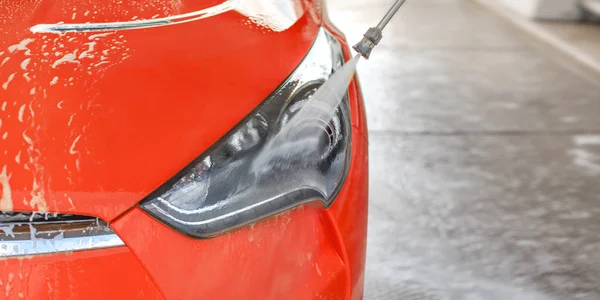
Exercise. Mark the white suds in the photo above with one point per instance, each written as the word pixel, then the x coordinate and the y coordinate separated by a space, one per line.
pixel 27 139
pixel 24 64
pixel 10 78
pixel 6 203
pixel 21 110
pixel 87 52
pixel 21 46
pixel 94 36
pixel 67 58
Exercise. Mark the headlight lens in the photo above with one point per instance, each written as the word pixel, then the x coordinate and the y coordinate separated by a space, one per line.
pixel 224 188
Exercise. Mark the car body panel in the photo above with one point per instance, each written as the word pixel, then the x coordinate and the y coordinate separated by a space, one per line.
pixel 95 121
pixel 305 253
pixel 112 273
pixel 103 135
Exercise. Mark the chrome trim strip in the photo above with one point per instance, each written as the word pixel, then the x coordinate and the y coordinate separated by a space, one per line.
pixel 37 246
pixel 138 24
pixel 277 15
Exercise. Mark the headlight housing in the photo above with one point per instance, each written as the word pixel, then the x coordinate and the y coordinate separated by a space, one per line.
pixel 224 189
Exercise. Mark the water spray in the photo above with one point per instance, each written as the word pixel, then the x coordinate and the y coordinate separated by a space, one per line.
pixel 302 132
pixel 326 99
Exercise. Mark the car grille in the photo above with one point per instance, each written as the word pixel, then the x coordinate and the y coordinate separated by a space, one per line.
pixel 23 234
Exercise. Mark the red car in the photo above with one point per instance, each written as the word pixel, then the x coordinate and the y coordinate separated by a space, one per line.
pixel 133 157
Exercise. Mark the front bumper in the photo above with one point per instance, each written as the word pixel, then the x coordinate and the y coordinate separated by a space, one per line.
pixel 112 273
pixel 305 253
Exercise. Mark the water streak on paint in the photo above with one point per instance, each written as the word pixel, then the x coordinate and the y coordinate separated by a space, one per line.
pixel 31 156
pixel 71 202
pixel 8 286
pixel 21 110
pixel 70 119
pixel 38 199
pixel 87 52
pixel 98 35
pixel 21 46
pixel 27 139
pixel 8 80
pixel 37 193
pixel 24 64
pixel 6 203
pixel 67 58
pixel 72 149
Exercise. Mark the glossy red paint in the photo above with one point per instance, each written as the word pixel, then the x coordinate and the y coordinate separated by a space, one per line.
pixel 92 133
pixel 95 136
pixel 99 274
pixel 305 253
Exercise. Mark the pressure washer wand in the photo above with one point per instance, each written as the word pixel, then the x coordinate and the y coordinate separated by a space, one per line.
pixel 373 35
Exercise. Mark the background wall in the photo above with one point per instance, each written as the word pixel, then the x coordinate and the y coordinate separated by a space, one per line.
pixel 545 9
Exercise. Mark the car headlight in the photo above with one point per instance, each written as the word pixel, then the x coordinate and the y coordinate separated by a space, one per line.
pixel 224 188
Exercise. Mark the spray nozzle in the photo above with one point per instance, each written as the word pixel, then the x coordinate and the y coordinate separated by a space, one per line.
pixel 370 39
pixel 373 35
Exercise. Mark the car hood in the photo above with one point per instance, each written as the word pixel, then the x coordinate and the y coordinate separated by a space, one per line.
pixel 93 117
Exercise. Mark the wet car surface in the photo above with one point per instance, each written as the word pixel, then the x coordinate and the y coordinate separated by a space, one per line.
pixel 136 162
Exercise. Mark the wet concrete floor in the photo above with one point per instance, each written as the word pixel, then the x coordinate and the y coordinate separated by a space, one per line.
pixel 484 158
